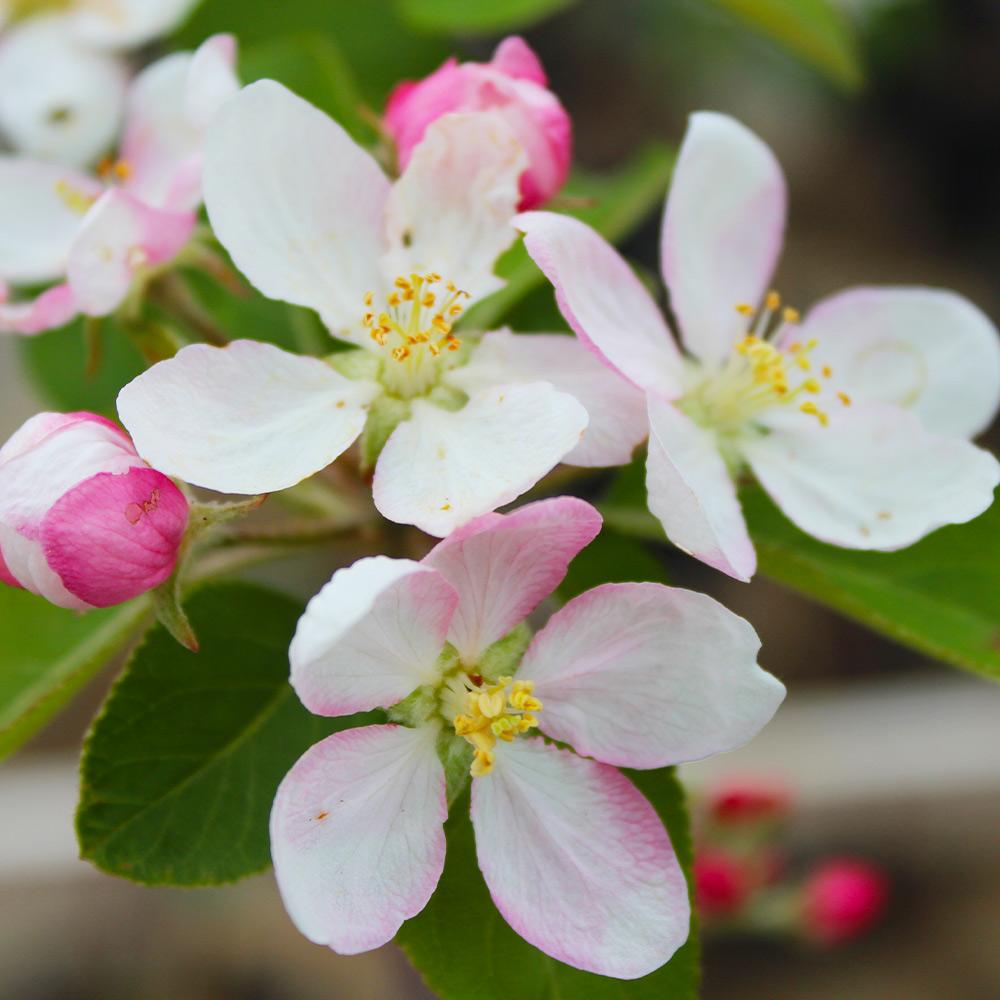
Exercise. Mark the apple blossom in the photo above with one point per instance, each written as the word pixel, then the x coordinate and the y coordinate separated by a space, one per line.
pixel 842 898
pixel 459 426
pixel 84 522
pixel 854 420
pixel 512 83
pixel 94 235
pixel 575 858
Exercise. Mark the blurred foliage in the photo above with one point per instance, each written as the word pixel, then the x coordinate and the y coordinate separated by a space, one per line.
pixel 448 16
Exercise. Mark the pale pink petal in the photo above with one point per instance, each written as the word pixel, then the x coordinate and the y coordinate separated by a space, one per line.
pixel 127 24
pixel 603 300
pixel 617 410
pixel 247 418
pixel 357 835
pixel 874 478
pixel 451 210
pixel 442 468
pixel 42 206
pixel 578 862
pixel 503 566
pixel 119 237
pixel 371 636
pixel 925 349
pixel 514 57
pixel 113 537
pixel 692 494
pixel 37 428
pixel 55 307
pixel 212 79
pixel 297 203
pixel 722 231
pixel 642 675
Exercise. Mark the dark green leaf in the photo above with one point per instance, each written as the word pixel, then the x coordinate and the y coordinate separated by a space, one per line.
pixel 611 558
pixel 466 951
pixel 49 653
pixel 180 768
pixel 451 16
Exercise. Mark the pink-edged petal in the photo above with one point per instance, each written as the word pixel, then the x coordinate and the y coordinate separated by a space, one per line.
pixel 503 566
pixel 603 300
pixel 120 236
pixel 691 492
pixel 722 231
pixel 514 57
pixel 297 203
pixel 578 862
pixel 55 307
pixel 617 410
pixel 371 636
pixel 357 835
pixel 451 210
pixel 5 574
pixel 246 418
pixel 875 478
pixel 442 468
pixel 113 537
pixel 925 349
pixel 42 206
pixel 127 24
pixel 642 675
pixel 42 425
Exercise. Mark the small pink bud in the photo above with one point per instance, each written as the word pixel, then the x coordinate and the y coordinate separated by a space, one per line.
pixel 721 883
pixel 84 522
pixel 748 800
pixel 514 83
pixel 842 898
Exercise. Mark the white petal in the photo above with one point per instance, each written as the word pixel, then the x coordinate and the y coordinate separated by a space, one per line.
pixel 503 566
pixel 451 210
pixel 874 478
pixel 925 349
pixel 442 468
pixel 357 837
pixel 371 636
pixel 247 418
pixel 617 410
pixel 722 230
pixel 297 203
pixel 692 494
pixel 642 675
pixel 127 24
pixel 578 862
pixel 603 301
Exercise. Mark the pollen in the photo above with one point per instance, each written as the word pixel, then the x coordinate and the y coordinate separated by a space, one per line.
pixel 492 712
pixel 74 199
pixel 110 169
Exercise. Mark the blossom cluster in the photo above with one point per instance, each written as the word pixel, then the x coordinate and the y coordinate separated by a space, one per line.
pixel 857 418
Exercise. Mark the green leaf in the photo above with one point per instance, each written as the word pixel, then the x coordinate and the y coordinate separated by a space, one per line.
pixel 453 16
pixel 817 31
pixel 466 951
pixel 49 654
pixel 611 558
pixel 181 766
pixel 938 596
pixel 614 205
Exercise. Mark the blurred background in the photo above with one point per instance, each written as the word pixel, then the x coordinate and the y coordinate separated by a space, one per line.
pixel 894 179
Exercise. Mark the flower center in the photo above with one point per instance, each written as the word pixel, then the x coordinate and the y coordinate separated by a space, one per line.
pixel 111 170
pixel 73 197
pixel 414 329
pixel 483 713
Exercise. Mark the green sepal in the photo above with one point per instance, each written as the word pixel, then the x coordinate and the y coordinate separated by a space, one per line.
pixel 504 657
pixel 384 416
pixel 456 756
pixel 356 363
pixel 447 397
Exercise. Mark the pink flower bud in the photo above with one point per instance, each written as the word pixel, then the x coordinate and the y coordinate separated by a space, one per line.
pixel 842 898
pixel 84 522
pixel 748 800
pixel 721 883
pixel 512 82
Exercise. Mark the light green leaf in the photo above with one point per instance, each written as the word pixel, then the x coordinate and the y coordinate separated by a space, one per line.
pixel 453 16
pixel 181 766
pixel 50 653
pixel 613 204
pixel 817 31
pixel 466 951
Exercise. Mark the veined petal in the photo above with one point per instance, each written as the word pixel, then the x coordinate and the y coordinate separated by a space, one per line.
pixel 603 301
pixel 578 862
pixel 617 410
pixel 692 494
pixel 55 307
pixel 297 203
pixel 451 210
pixel 642 675
pixel 357 835
pixel 722 231
pixel 127 24
pixel 371 636
pixel 925 349
pixel 874 478
pixel 503 566
pixel 441 468
pixel 247 418
pixel 42 206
